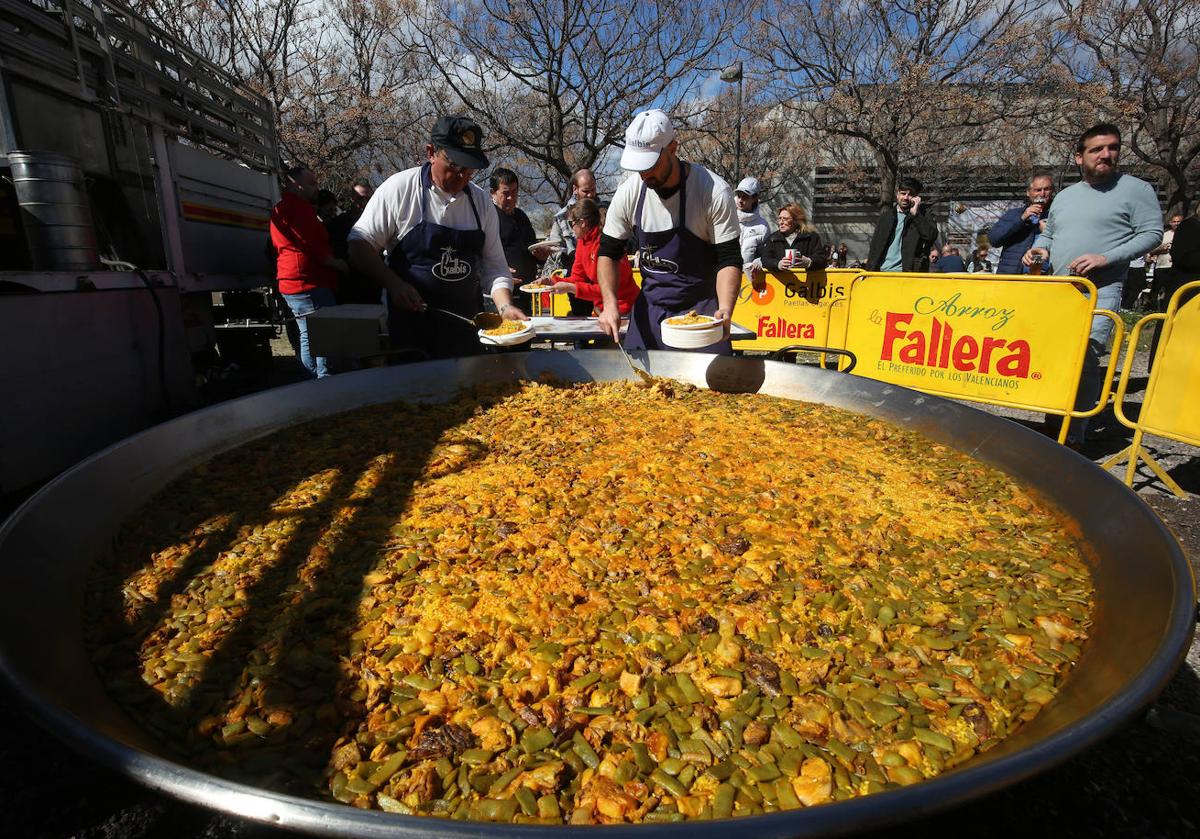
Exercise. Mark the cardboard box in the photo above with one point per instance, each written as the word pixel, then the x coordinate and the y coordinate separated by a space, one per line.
pixel 352 330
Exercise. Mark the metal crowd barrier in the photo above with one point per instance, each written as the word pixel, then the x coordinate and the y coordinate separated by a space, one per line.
pixel 1017 341
pixel 869 312
pixel 1171 407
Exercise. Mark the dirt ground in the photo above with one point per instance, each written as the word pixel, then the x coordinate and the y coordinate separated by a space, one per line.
pixel 1141 782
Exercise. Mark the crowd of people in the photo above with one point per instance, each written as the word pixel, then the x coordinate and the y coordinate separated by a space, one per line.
pixel 434 244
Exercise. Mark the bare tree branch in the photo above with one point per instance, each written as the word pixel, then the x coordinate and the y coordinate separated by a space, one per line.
pixel 555 84
pixel 1138 64
pixel 923 87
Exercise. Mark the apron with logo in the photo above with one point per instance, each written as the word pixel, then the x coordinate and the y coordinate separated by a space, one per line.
pixel 679 274
pixel 443 265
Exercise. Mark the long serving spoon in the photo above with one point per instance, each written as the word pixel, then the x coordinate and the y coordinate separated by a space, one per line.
pixel 642 374
pixel 483 320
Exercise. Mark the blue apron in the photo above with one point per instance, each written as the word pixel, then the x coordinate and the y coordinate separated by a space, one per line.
pixel 443 265
pixel 679 274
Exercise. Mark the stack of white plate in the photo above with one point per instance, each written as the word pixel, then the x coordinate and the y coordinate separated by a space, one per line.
pixel 692 336
pixel 508 339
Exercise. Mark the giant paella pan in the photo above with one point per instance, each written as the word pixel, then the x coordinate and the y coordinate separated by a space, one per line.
pixel 722 729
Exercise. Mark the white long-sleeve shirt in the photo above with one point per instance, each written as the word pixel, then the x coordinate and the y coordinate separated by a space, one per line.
pixel 754 232
pixel 395 209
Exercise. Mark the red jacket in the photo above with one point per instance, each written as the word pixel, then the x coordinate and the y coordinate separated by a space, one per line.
pixel 301 247
pixel 583 274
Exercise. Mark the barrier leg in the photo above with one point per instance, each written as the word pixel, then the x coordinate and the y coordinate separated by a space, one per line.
pixel 1135 452
pixel 1162 475
pixel 1126 452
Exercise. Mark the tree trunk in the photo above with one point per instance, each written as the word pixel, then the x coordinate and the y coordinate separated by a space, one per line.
pixel 886 166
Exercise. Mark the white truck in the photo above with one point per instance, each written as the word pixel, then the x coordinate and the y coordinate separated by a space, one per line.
pixel 136 184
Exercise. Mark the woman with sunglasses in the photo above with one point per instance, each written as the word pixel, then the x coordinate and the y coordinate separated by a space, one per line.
pixel 584 218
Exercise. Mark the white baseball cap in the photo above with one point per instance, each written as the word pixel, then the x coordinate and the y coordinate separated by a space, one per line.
pixel 645 138
pixel 750 186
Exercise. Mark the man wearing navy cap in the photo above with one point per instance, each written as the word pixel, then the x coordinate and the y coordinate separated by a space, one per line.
pixel 443 243
pixel 685 222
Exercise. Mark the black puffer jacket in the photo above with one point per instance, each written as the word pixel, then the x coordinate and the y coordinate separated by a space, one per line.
pixel 1185 248
pixel 809 244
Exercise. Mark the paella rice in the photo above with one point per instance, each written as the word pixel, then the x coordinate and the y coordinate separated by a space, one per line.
pixel 509 327
pixel 690 319
pixel 588 604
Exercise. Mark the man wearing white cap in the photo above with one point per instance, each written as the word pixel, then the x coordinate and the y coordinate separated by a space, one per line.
pixel 685 222
pixel 755 229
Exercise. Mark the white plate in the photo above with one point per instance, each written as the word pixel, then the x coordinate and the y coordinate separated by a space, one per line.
pixel 537 289
pixel 546 243
pixel 691 338
pixel 510 339
pixel 708 324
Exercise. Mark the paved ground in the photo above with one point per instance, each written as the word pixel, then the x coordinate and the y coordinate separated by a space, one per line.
pixel 1139 783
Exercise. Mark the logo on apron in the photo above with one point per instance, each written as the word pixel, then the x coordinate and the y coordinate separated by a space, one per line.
pixel 450 268
pixel 647 261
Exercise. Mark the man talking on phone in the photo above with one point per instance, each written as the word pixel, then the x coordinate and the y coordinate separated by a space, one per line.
pixel 904 233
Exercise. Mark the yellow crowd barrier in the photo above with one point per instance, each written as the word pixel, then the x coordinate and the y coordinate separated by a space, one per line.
pixel 1012 340
pixel 1171 407
pixel 1017 341
pixel 794 308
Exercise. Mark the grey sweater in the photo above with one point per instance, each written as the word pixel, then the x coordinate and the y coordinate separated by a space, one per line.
pixel 1119 220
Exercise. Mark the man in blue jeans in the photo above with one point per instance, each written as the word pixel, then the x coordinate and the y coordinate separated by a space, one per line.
pixel 1094 229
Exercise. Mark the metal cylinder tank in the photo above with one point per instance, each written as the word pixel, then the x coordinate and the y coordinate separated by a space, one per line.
pixel 55 211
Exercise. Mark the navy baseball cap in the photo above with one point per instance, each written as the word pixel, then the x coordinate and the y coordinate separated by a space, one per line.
pixel 461 137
